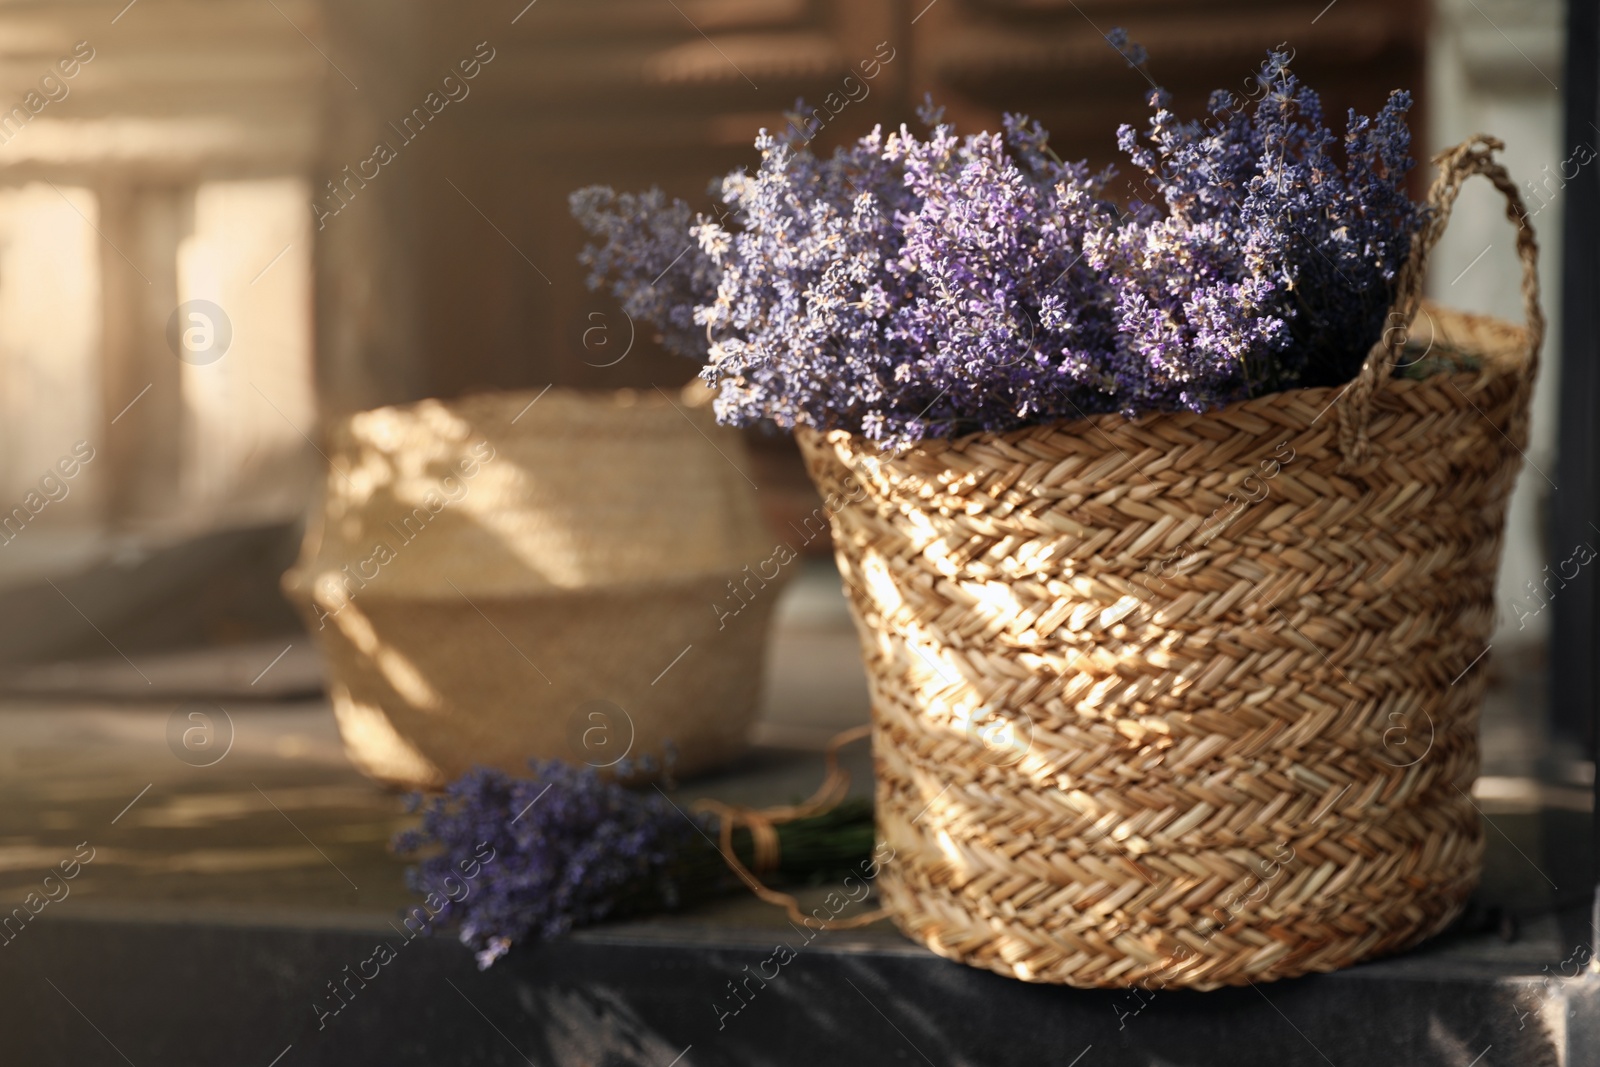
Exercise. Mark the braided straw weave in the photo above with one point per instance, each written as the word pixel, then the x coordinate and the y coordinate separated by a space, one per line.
pixel 1192 699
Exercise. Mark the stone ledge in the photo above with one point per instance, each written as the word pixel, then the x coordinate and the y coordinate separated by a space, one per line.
pixel 182 991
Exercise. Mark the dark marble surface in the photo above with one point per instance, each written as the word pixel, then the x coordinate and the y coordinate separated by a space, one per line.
pixel 221 900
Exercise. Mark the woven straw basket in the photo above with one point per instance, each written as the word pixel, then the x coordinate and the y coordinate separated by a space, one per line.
pixel 1192 699
pixel 515 575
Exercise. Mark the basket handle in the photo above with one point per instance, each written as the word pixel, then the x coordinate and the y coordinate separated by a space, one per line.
pixel 1472 156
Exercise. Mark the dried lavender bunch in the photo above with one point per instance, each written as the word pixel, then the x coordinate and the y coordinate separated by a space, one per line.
pixel 1278 264
pixel 894 288
pixel 911 287
pixel 572 848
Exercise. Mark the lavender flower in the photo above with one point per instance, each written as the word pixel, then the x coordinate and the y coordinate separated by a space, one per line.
pixel 1286 263
pixel 568 848
pixel 646 253
pixel 571 848
pixel 911 287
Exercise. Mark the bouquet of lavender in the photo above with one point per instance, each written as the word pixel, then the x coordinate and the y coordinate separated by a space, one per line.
pixel 910 287
pixel 567 848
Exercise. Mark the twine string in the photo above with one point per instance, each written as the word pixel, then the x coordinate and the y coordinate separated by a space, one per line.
pixel 763 825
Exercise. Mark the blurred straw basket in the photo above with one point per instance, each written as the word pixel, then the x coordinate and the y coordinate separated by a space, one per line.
pixel 532 574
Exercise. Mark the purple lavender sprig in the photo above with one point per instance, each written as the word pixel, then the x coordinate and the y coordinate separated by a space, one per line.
pixel 571 848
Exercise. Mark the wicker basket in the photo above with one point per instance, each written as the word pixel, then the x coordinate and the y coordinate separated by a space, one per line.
pixel 1192 699
pixel 565 575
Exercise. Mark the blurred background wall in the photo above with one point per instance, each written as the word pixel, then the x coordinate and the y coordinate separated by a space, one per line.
pixel 228 153
pixel 1495 66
